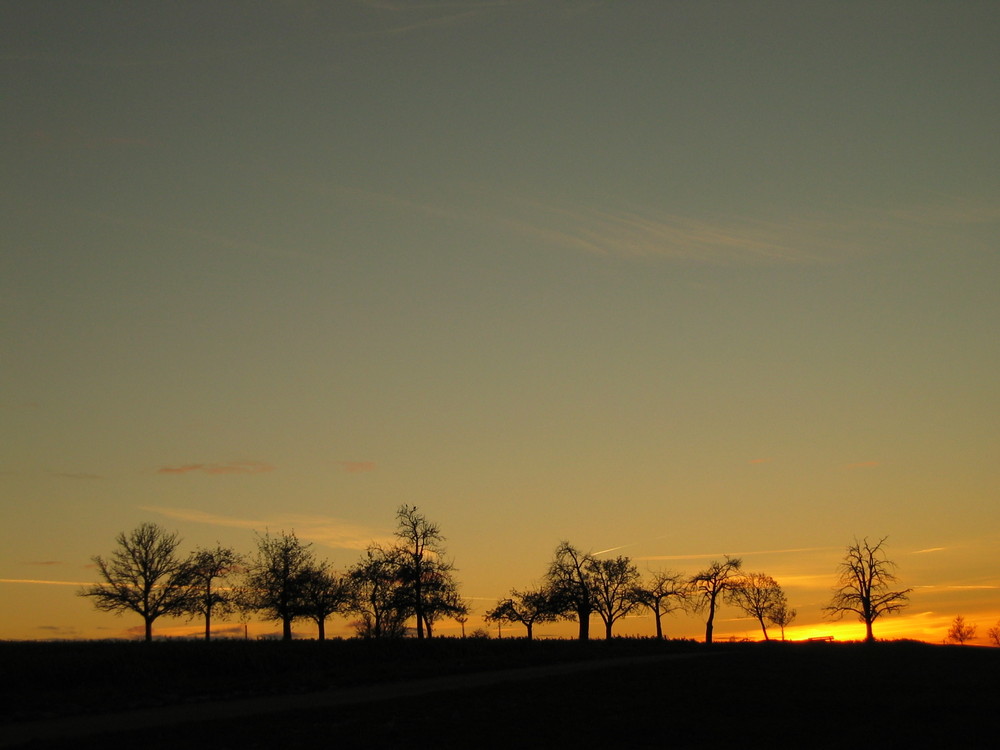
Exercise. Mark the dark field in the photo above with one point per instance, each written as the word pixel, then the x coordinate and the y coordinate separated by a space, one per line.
pixel 649 694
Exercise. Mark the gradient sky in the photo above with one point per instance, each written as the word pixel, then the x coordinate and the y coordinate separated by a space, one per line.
pixel 684 279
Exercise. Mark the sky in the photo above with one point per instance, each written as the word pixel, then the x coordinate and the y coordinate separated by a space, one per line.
pixel 670 280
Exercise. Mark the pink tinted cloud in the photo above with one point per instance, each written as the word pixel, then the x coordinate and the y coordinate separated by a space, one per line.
pixel 357 467
pixel 230 467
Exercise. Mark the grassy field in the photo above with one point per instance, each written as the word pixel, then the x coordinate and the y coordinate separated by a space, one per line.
pixel 897 694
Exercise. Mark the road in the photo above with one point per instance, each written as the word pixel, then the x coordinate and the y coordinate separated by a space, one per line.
pixel 77 727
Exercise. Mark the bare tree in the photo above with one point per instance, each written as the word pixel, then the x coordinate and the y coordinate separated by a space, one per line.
pixel 463 617
pixel 570 581
pixel 441 596
pixel 961 631
pixel 665 592
pixel 781 616
pixel 525 607
pixel 994 634
pixel 421 541
pixel 208 566
pixel 275 576
pixel 143 575
pixel 324 593
pixel 711 586
pixel 757 594
pixel 865 586
pixel 615 584
pixel 376 593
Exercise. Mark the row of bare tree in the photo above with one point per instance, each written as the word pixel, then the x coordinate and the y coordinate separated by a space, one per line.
pixel 578 585
pixel 961 632
pixel 392 585
pixel 283 581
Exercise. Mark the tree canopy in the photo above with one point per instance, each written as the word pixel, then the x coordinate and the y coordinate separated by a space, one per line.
pixel 711 586
pixel 866 585
pixel 143 575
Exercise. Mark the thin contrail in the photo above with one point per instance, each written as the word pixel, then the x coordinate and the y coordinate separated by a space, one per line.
pixel 613 549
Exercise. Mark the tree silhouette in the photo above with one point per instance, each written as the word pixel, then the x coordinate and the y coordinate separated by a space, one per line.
pixel 570 581
pixel 206 567
pixel 441 596
pixel 781 616
pixel 711 586
pixel 143 575
pixel 658 593
pixel 420 542
pixel 525 607
pixel 614 587
pixel 865 585
pixel 758 595
pixel 994 634
pixel 376 593
pixel 324 593
pixel 275 576
pixel 961 631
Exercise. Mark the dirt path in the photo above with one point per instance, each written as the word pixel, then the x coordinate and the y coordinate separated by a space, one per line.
pixel 70 727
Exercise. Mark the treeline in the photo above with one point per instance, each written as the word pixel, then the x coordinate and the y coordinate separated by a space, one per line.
pixel 283 581
pixel 411 581
pixel 578 585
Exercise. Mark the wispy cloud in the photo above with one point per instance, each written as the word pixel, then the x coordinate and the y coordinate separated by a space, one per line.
pixel 231 467
pixel 45 562
pixel 806 581
pixel 638 233
pixel 805 238
pixel 929 549
pixel 648 232
pixel 618 232
pixel 958 587
pixel 711 555
pixel 326 530
pixel 613 549
pixel 59 631
pixel 357 467
pixel 45 582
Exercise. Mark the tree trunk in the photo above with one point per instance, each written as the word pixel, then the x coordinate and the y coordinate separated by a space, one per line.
pixel 659 624
pixel 528 626
pixel 286 628
pixel 764 628
pixel 208 610
pixel 709 624
pixel 418 596
pixel 869 635
pixel 584 617
pixel 321 628
pixel 149 629
pixel 607 629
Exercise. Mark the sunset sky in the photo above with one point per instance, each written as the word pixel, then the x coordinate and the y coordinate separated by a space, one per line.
pixel 672 279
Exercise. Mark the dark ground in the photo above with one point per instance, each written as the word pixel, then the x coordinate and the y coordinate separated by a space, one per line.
pixel 679 694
